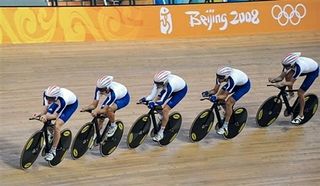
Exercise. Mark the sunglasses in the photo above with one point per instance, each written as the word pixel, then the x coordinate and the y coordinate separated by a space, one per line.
pixel 286 66
pixel 220 76
pixel 102 89
pixel 50 98
pixel 158 83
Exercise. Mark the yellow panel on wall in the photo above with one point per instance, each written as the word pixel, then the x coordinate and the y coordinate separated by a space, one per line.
pixel 76 24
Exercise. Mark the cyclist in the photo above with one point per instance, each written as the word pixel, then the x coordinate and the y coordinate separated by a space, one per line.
pixel 237 85
pixel 117 97
pixel 294 66
pixel 172 89
pixel 59 105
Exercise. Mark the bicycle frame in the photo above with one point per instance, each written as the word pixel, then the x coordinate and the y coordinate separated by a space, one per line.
pixel 215 108
pixel 44 131
pixel 283 94
pixel 151 114
pixel 96 125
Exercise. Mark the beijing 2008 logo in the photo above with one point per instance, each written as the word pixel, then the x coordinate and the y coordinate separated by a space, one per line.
pixel 288 13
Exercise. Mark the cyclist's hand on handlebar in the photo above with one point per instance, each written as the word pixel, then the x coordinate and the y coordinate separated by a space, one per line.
pixel 271 80
pixel 274 80
pixel 279 85
pixel 151 105
pixel 142 100
pixel 43 118
pixel 205 94
pixel 94 113
pixel 85 109
pixel 213 98
pixel 35 115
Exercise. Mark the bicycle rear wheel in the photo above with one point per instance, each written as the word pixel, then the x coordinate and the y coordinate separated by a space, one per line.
pixel 172 128
pixel 111 143
pixel 310 108
pixel 237 122
pixel 63 146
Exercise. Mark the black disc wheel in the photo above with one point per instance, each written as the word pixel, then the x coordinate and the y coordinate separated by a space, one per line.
pixel 82 141
pixel 269 111
pixel 310 108
pixel 201 126
pixel 138 131
pixel 31 150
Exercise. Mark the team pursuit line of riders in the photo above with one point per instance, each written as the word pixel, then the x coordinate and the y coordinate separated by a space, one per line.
pixel 231 84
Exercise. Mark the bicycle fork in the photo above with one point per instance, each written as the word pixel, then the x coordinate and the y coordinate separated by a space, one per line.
pixel 216 110
pixel 154 122
pixel 286 103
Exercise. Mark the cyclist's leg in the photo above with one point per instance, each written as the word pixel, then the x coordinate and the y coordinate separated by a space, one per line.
pixel 306 84
pixel 63 118
pixel 119 104
pixel 175 99
pixel 291 94
pixel 238 93
pixel 229 108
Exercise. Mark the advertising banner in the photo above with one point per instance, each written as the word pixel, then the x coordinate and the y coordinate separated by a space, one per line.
pixel 76 24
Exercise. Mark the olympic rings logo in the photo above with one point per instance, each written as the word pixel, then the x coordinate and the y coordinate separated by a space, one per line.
pixel 289 14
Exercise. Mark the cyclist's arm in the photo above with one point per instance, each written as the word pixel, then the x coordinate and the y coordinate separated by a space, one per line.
pixel 52 116
pixel 222 94
pixel 289 80
pixel 44 110
pixel 214 90
pixel 153 93
pixel 92 106
pixel 278 79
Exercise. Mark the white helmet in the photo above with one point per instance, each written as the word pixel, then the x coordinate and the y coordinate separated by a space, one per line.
pixel 161 77
pixel 52 91
pixel 224 72
pixel 104 81
pixel 291 59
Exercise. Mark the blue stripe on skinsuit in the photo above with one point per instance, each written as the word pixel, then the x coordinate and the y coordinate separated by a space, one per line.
pixel 229 86
pixel 111 100
pixel 166 95
pixel 297 72
pixel 96 94
pixel 53 107
pixel 44 97
pixel 62 106
pixel 162 92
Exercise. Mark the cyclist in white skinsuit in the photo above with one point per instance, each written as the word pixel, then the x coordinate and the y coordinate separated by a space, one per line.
pixel 237 85
pixel 117 97
pixel 172 89
pixel 59 105
pixel 294 66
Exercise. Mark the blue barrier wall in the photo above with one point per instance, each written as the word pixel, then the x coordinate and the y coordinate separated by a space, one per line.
pixel 23 3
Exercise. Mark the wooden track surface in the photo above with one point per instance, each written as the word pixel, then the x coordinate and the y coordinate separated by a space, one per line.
pixel 281 154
